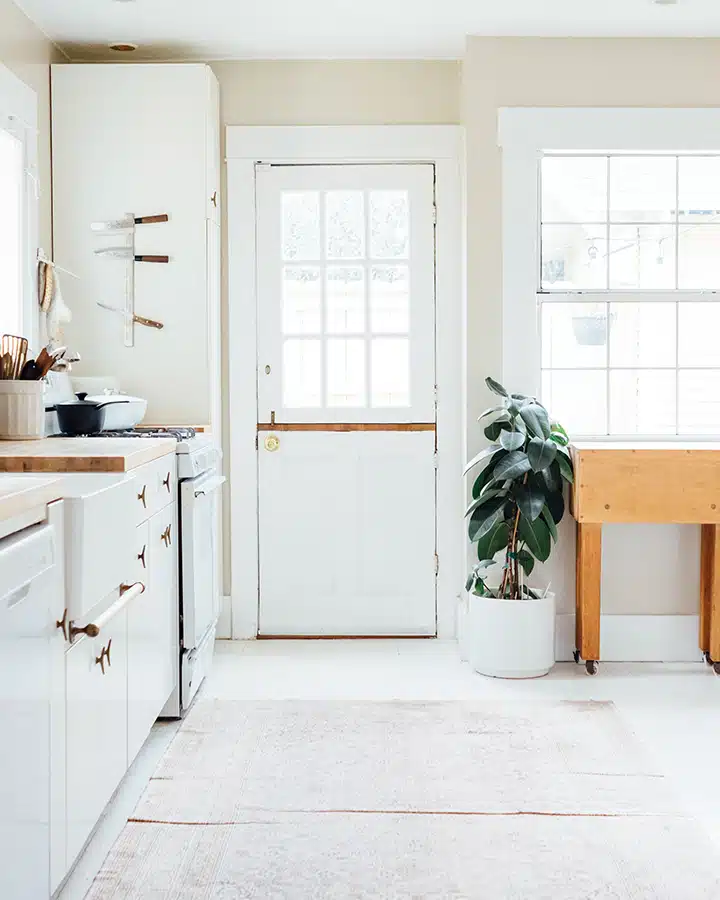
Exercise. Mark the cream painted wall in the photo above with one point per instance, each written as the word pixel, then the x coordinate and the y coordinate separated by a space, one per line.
pixel 328 92
pixel 500 72
pixel 26 50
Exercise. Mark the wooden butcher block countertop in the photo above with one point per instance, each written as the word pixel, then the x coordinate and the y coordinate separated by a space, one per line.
pixel 66 455
pixel 19 495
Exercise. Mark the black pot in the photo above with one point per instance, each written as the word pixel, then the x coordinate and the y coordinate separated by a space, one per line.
pixel 81 416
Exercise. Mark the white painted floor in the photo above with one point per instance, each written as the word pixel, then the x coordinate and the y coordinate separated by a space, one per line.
pixel 673 708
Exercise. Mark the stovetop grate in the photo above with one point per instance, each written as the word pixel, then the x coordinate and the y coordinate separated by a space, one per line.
pixel 180 433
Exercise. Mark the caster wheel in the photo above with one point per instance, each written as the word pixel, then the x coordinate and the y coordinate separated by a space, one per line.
pixel 707 658
pixel 591 667
pixel 576 656
pixel 716 668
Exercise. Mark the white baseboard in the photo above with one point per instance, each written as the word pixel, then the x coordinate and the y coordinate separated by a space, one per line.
pixel 635 638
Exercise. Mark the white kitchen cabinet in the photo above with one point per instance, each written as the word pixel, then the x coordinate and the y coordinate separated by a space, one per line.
pixel 31 711
pixel 142 139
pixel 97 691
pixel 153 651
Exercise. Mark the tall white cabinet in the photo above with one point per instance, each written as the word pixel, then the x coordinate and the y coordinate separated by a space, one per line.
pixel 142 139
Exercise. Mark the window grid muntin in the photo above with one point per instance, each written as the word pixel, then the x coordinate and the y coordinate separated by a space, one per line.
pixel 610 295
pixel 367 262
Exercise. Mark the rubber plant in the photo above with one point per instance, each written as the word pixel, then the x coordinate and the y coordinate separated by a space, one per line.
pixel 518 496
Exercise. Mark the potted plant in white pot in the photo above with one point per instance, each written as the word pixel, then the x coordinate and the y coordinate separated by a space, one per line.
pixel 509 628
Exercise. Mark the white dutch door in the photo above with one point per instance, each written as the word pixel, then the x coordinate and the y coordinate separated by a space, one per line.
pixel 346 399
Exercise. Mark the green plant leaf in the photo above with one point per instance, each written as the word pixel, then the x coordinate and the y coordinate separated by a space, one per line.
pixel 557 429
pixel 470 581
pixel 537 420
pixel 483 519
pixel 512 440
pixel 484 498
pixel 558 439
pixel 526 560
pixel 548 519
pixel 496 387
pixel 566 469
pixel 490 410
pixel 482 456
pixel 541 453
pixel 511 466
pixel 556 505
pixel 536 537
pixel 484 564
pixel 486 475
pixel 495 429
pixel 495 540
pixel 530 499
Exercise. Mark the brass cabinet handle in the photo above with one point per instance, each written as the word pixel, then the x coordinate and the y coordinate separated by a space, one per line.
pixel 141 496
pixel 124 588
pixel 213 199
pixel 104 656
pixel 141 556
pixel 166 482
pixel 90 630
pixel 63 623
pixel 165 537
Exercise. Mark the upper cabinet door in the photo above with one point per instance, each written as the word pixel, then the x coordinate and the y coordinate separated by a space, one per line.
pixel 212 131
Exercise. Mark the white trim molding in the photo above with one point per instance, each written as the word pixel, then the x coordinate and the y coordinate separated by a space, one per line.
pixel 248 146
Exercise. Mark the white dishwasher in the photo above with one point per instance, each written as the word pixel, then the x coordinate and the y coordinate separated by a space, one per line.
pixel 30 591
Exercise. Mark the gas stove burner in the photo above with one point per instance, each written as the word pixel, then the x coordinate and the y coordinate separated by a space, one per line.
pixel 180 434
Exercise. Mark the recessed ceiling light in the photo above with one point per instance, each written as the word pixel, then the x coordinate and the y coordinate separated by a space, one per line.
pixel 123 48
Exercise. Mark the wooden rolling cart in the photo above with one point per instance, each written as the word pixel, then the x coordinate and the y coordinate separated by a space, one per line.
pixel 653 483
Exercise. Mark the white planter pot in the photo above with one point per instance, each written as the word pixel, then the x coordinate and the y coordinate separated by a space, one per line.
pixel 510 638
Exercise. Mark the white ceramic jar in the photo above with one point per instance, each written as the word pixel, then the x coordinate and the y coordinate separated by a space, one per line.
pixel 22 410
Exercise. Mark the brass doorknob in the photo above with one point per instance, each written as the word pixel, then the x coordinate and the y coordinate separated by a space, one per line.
pixel 272 443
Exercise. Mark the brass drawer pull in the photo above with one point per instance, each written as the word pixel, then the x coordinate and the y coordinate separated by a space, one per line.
pixel 166 482
pixel 104 656
pixel 213 199
pixel 165 537
pixel 63 623
pixel 141 496
pixel 141 556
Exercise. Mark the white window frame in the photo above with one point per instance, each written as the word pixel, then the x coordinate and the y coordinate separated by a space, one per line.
pixel 524 136
pixel 249 146
pixel 18 115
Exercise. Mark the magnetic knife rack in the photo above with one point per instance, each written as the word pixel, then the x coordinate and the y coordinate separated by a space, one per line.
pixel 125 229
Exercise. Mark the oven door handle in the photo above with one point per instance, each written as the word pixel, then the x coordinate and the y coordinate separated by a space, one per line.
pixel 212 484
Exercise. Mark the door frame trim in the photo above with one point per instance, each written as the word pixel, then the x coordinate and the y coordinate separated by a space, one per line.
pixel 248 146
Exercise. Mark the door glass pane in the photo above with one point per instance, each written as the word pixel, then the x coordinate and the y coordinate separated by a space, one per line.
pixel 301 374
pixel 302 300
pixel 699 338
pixel 642 334
pixel 346 372
pixel 699 401
pixel 574 189
pixel 643 188
pixel 345 223
pixel 390 372
pixel 699 191
pixel 389 225
pixel 699 257
pixel 642 256
pixel 301 225
pixel 390 299
pixel 574 257
pixel 578 399
pixel 345 298
pixel 574 335
pixel 642 402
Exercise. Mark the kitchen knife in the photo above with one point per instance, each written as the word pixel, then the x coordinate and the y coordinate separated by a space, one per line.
pixel 126 253
pixel 127 222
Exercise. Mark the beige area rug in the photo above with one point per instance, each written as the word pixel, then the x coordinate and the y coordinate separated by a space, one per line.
pixel 305 799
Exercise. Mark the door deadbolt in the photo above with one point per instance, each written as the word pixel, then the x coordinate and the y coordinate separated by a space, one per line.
pixel 272 443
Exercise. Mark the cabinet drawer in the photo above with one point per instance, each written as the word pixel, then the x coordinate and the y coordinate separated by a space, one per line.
pixel 99 526
pixel 155 486
pixel 96 727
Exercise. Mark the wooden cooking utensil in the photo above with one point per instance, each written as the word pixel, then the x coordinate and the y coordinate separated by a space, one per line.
pixel 17 348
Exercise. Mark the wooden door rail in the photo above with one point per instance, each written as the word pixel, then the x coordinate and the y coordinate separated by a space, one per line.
pixel 347 426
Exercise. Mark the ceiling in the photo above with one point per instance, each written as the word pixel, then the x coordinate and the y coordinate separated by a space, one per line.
pixel 359 29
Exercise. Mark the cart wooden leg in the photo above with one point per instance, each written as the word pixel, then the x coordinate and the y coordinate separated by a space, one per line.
pixel 707 556
pixel 588 577
pixel 714 602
